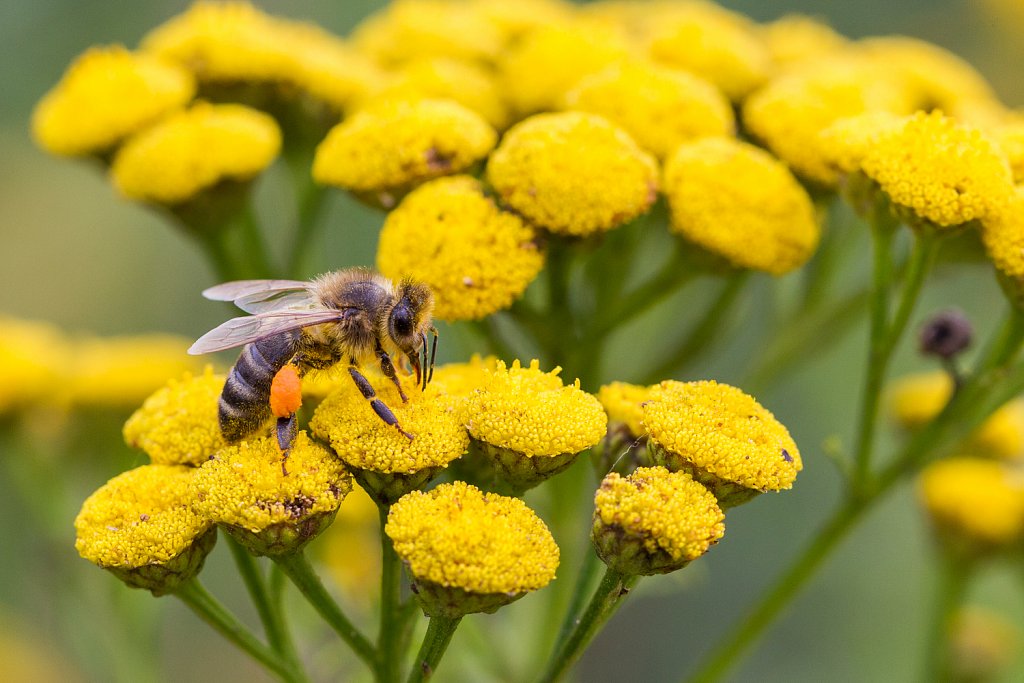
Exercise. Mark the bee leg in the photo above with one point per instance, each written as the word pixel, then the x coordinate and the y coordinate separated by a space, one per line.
pixel 383 412
pixel 287 428
pixel 388 368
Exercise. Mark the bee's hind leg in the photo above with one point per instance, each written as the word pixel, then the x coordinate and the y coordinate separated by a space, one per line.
pixel 287 429
pixel 388 368
pixel 379 407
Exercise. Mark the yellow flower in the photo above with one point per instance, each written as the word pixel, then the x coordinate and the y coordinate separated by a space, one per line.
pixel 845 143
pixel 476 257
pixel 659 107
pixel 789 113
pixel 393 145
pixel 415 29
pixel 546 62
pixel 141 525
pixel 178 424
pixel 573 173
pixel 654 521
pixel 466 83
pixel 455 383
pixel 720 46
pixel 943 172
pixel 195 150
pixel 1003 236
pixel 33 361
pixel 797 39
pixel 245 488
pixel 384 462
pixel 624 446
pixel 107 94
pixel 915 400
pixel 739 202
pixel 623 403
pixel 1010 136
pixel 723 437
pixel 974 503
pixel 513 19
pixel 478 550
pixel 123 371
pixel 530 425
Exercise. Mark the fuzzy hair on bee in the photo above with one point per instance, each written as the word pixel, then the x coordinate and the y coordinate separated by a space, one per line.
pixel 354 316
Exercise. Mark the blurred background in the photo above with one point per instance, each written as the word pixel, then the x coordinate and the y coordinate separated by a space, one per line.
pixel 76 255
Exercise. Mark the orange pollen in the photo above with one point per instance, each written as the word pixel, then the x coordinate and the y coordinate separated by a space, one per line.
pixel 286 392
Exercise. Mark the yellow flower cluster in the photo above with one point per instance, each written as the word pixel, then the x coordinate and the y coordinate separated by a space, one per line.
pixel 531 412
pixel 481 257
pixel 739 202
pixel 193 151
pixel 798 39
pixel 572 173
pixel 979 501
pixel 178 424
pixel 458 537
pixel 668 511
pixel 392 145
pixel 107 94
pixel 244 486
pixel 33 356
pixel 1003 236
pixel 722 436
pixel 623 403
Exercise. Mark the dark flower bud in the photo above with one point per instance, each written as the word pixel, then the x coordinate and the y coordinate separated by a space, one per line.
pixel 946 334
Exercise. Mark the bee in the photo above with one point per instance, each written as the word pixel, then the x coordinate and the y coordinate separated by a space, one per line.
pixel 355 316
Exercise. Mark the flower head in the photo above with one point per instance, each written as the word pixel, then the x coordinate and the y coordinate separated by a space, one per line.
pixel 659 107
pixel 940 171
pixel 195 150
pixel 141 525
pixel 741 203
pixel 845 143
pixel 976 505
pixel 1002 233
pixel 476 257
pixel 244 488
pixel 798 39
pixel 624 446
pixel 470 551
pixel 572 173
pixel 178 424
pixel 654 521
pixel 721 436
pixel 107 94
pixel 392 145
pixel 1010 136
pixel 33 358
pixel 623 403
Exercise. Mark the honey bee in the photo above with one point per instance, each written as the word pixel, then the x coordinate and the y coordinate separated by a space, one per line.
pixel 354 316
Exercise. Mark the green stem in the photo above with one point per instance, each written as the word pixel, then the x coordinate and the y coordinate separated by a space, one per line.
pixel 584 584
pixel 606 599
pixel 269 612
pixel 954 575
pixel 390 634
pixel 254 245
pixel 439 633
pixel 297 568
pixel 216 615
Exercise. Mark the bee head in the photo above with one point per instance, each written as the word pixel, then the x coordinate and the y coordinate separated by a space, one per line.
pixel 411 316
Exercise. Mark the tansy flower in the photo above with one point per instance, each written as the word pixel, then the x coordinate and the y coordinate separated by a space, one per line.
pixel 122 371
pixel 624 446
pixel 739 202
pixel 33 361
pixel 476 257
pixel 141 526
pixel 940 171
pixel 530 425
pixel 659 107
pixel 244 489
pixel 719 46
pixel 654 521
pixel 797 39
pixel 789 113
pixel 384 461
pixel 1003 236
pixel 721 436
pixel 1010 137
pixel 846 142
pixel 416 29
pixel 469 551
pixel 466 83
pixel 456 382
pixel 513 19
pixel 976 506
pixel 107 94
pixel 915 400
pixel 387 148
pixel 546 62
pixel 178 424
pixel 195 150
pixel 572 173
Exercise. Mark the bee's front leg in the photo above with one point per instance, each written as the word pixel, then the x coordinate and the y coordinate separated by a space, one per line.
pixel 379 407
pixel 388 368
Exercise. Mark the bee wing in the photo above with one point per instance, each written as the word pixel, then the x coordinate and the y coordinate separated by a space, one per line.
pixel 250 328
pixel 233 291
pixel 277 300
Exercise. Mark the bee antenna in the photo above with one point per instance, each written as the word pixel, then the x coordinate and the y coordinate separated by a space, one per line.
pixel 433 353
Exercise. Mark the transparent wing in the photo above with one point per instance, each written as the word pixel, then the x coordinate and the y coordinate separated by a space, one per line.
pixel 247 329
pixel 278 300
pixel 233 291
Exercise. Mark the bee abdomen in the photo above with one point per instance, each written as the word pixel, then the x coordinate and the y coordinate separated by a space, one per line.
pixel 245 401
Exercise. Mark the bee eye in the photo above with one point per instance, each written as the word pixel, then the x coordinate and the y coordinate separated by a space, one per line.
pixel 401 322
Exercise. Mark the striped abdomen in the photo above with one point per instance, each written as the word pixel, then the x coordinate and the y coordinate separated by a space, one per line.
pixel 245 401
